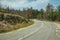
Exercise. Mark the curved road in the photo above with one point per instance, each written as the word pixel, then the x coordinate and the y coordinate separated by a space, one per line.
pixel 40 30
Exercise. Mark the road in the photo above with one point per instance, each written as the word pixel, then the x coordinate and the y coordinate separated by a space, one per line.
pixel 46 33
pixel 40 30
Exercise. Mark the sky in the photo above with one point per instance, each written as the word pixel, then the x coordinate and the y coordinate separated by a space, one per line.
pixel 35 4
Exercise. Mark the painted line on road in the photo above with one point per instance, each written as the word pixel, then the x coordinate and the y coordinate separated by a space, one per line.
pixel 31 33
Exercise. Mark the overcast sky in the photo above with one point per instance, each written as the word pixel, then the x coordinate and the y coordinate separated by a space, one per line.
pixel 36 4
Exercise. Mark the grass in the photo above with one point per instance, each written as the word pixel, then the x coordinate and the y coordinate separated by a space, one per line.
pixel 51 21
pixel 57 22
pixel 17 26
pixel 23 25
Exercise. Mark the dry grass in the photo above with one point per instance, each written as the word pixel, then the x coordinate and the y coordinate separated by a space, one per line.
pixel 51 21
pixel 22 25
pixel 15 27
pixel 57 22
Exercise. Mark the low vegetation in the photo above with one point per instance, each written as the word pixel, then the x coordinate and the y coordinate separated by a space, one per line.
pixel 50 13
pixel 14 19
pixel 13 22
pixel 4 29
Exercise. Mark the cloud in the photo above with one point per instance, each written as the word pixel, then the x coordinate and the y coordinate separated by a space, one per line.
pixel 16 4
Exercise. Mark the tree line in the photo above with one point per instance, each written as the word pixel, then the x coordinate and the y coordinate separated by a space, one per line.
pixel 50 13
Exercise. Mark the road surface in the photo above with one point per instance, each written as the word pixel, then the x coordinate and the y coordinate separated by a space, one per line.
pixel 40 30
pixel 58 32
pixel 46 33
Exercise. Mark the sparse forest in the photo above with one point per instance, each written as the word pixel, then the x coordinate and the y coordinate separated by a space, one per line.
pixel 10 16
pixel 50 13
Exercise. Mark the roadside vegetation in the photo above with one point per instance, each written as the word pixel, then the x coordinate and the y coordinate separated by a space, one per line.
pixel 49 13
pixel 10 22
pixel 15 19
pixel 8 28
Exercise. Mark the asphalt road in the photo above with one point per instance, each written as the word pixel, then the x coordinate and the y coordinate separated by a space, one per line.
pixel 40 30
pixel 46 33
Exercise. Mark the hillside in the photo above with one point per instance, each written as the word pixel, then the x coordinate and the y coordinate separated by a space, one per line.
pixel 10 22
